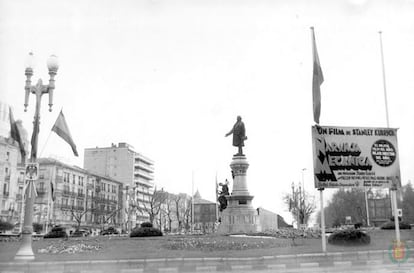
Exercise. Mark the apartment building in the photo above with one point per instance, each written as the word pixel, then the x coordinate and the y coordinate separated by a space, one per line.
pixel 134 170
pixel 11 180
pixel 71 196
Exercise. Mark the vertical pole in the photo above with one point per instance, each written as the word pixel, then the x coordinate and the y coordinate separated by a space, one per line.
pixel 322 221
pixel 393 190
pixel 192 201
pixel 25 251
pixel 304 199
pixel 396 220
pixel 294 196
pixel 23 202
pixel 216 193
pixel 48 211
pixel 384 81
pixel 366 205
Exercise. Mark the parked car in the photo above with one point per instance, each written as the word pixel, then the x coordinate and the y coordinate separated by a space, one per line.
pixel 80 233
pixel 57 232
pixel 109 231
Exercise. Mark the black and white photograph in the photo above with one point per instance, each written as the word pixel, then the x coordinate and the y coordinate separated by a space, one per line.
pixel 152 136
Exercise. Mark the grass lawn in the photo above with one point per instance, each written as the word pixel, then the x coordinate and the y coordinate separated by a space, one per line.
pixel 187 246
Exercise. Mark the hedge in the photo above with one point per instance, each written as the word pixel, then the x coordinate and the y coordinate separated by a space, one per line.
pixel 349 237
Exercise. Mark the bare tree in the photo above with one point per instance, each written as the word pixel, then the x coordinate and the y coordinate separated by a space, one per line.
pixel 131 208
pixel 182 204
pixel 169 209
pixel 177 201
pixel 188 213
pixel 155 202
pixel 301 205
pixel 77 213
pixel 108 216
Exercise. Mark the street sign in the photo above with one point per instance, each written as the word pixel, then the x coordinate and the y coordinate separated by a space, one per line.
pixel 32 170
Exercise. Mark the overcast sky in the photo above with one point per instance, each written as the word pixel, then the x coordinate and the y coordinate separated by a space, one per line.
pixel 170 78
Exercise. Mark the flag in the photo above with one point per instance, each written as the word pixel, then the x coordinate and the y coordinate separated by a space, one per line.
pixel 52 191
pixel 15 134
pixel 317 81
pixel 61 129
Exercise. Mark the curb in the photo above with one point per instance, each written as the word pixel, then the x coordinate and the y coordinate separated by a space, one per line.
pixel 211 264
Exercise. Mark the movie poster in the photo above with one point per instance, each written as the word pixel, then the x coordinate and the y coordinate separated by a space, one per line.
pixel 355 157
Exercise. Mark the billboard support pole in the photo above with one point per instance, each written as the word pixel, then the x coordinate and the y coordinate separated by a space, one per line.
pixel 366 205
pixel 394 209
pixel 322 221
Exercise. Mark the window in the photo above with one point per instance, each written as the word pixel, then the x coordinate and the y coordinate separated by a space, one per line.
pixel 66 177
pixel 74 179
pixel 7 156
pixel 5 192
pixel 6 171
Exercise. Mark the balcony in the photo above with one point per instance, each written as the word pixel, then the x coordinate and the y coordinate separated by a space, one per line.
pixel 41 192
pixel 65 193
pixel 144 167
pixel 7 178
pixel 64 206
pixel 145 175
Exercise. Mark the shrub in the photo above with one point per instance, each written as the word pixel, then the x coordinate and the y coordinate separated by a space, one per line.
pixel 146 224
pixel 349 237
pixel 37 227
pixel 57 232
pixel 145 232
pixel 391 225
pixel 5 226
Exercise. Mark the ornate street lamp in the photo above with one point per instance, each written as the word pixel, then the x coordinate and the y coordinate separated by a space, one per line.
pixel 25 251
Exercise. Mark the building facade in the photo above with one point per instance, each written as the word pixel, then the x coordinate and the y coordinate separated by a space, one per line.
pixel 73 197
pixel 11 182
pixel 205 214
pixel 134 170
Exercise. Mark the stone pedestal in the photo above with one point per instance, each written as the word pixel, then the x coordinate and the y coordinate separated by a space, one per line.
pixel 239 216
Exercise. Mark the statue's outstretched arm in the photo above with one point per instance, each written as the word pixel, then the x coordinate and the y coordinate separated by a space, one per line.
pixel 231 132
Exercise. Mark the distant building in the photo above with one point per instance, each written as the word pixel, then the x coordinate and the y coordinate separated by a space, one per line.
pixel 134 170
pixel 269 220
pixel 205 214
pixel 68 194
pixel 11 180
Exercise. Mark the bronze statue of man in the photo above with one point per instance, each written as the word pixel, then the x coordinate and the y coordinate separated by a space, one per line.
pixel 239 135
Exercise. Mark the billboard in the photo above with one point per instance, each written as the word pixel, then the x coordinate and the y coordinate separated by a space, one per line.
pixel 355 157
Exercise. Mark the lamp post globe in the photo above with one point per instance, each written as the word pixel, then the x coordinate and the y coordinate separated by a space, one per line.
pixel 52 63
pixel 29 61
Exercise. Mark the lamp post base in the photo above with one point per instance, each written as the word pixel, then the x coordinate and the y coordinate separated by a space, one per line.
pixel 25 252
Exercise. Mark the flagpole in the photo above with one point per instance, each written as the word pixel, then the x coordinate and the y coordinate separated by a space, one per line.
pixel 192 201
pixel 393 189
pixel 217 215
pixel 384 80
pixel 48 209
pixel 44 145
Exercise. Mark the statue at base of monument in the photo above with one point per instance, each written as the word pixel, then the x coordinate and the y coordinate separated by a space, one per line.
pixel 239 135
pixel 222 195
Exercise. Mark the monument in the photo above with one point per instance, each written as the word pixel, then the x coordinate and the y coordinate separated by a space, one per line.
pixel 239 215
